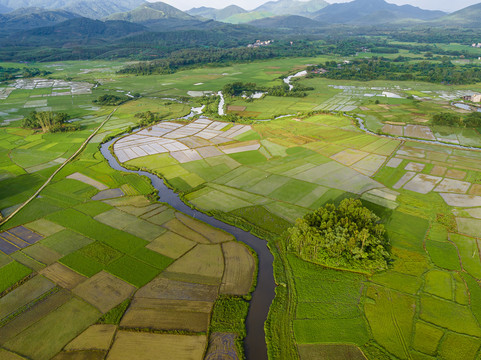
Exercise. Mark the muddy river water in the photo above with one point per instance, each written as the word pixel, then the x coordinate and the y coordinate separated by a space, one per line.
pixel 254 343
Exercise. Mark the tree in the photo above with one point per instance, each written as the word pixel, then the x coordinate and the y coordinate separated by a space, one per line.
pixel 48 121
pixel 111 100
pixel 347 236
pixel 447 119
pixel 473 120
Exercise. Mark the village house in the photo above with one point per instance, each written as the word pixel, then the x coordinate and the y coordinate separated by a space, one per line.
pixel 259 43
pixel 474 98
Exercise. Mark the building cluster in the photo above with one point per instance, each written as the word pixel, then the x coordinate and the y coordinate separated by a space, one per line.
pixel 474 98
pixel 478 45
pixel 259 43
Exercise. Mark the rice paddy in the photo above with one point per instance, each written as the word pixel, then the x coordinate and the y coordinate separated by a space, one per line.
pixel 93 243
pixel 92 246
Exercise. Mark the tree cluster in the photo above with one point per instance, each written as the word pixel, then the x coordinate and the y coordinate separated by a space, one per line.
pixel 7 73
pixel 111 100
pixel 48 121
pixel 385 69
pixel 239 88
pixel 348 236
pixel 148 117
pixel 472 120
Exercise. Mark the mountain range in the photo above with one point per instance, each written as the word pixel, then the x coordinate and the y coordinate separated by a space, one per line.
pixel 467 17
pixel 30 18
pixel 94 9
pixel 372 12
pixel 29 15
pixel 235 14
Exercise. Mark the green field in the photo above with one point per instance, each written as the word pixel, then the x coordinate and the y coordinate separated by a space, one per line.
pixel 101 259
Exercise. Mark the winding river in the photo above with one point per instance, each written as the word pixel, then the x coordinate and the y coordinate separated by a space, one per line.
pixel 254 343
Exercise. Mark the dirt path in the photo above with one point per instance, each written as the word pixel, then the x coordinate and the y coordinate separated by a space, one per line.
pixel 3 221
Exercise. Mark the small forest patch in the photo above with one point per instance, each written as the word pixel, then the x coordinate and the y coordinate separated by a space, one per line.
pixel 349 236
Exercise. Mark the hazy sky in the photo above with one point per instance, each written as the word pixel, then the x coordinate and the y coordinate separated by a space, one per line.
pixel 445 5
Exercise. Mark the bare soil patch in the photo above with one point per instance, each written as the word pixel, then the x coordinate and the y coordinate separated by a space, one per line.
pixel 456 174
pixel 239 269
pixel 63 276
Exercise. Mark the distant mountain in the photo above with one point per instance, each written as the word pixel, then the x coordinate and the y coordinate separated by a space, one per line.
pixel 94 9
pixel 247 17
pixel 372 12
pixel 236 15
pixel 151 11
pixel 160 17
pixel 217 14
pixel 285 22
pixel 467 17
pixel 30 18
pixel 292 7
pixel 75 31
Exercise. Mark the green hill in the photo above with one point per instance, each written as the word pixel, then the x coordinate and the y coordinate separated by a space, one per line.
pixel 292 7
pixel 216 14
pixel 30 18
pixel 151 11
pixel 78 30
pixel 367 12
pixel 93 9
pixel 247 17
pixel 285 22
pixel 467 17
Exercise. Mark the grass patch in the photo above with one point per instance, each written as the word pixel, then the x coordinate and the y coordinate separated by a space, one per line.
pixel 443 254
pixel 249 157
pixel 390 315
pixel 331 331
pixel 85 225
pixel 33 341
pixel 101 253
pixel 259 216
pixel 93 208
pixel 11 274
pixel 449 315
pixel 153 258
pixel 407 237
pixel 426 338
pixel 82 264
pixel 228 315
pixel 133 271
pixel 66 241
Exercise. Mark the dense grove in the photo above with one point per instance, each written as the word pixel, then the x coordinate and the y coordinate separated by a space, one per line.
pixel 472 120
pixel 48 121
pixel 384 69
pixel 8 73
pixel 347 236
pixel 111 100
pixel 196 57
pixel 239 88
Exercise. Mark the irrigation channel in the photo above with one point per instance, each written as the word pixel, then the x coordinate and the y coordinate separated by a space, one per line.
pixel 254 344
